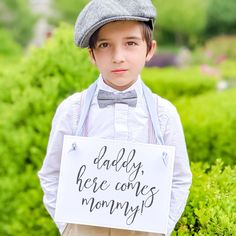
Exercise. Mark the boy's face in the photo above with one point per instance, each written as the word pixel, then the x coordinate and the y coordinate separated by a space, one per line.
pixel 120 53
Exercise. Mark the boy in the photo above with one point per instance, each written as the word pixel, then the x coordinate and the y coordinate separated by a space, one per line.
pixel 118 35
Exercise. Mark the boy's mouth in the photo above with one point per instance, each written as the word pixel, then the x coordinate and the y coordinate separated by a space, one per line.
pixel 119 71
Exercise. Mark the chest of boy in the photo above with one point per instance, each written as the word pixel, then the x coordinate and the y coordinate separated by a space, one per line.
pixel 119 122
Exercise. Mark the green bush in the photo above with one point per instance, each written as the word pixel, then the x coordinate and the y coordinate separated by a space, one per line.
pixel 181 20
pixel 30 96
pixel 216 50
pixel 210 126
pixel 22 211
pixel 69 9
pixel 172 83
pixel 211 207
pixel 8 47
pixel 228 69
pixel 221 17
pixel 221 47
pixel 16 17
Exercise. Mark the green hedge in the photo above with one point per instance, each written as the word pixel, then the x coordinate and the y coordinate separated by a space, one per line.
pixel 8 47
pixel 172 83
pixel 223 45
pixel 218 21
pixel 30 94
pixel 179 23
pixel 228 69
pixel 22 211
pixel 216 50
pixel 210 126
pixel 211 208
pixel 69 9
pixel 17 18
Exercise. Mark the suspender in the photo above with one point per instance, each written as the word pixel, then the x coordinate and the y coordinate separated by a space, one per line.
pixel 84 112
pixel 152 108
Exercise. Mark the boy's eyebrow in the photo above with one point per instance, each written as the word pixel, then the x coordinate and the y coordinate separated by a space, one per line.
pixel 129 37
pixel 134 38
pixel 102 39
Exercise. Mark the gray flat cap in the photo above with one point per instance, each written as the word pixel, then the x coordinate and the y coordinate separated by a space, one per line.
pixel 100 12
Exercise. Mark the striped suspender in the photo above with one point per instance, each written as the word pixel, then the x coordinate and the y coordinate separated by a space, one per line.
pixel 152 108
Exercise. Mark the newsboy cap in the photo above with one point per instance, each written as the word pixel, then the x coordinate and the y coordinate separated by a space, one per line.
pixel 100 12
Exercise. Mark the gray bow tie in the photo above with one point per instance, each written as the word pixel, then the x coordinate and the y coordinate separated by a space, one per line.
pixel 108 98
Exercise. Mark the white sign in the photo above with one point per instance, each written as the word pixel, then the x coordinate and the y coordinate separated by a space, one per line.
pixel 115 184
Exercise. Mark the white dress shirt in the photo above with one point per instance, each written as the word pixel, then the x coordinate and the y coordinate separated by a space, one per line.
pixel 118 121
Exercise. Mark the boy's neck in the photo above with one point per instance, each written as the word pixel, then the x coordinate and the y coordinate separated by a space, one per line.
pixel 120 88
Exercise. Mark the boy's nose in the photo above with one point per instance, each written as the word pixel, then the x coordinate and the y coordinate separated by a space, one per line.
pixel 118 55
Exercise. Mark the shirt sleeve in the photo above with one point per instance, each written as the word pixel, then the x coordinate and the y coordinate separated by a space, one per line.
pixel 62 124
pixel 182 176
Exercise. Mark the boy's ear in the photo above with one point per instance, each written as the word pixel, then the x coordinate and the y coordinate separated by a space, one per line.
pixel 151 51
pixel 91 55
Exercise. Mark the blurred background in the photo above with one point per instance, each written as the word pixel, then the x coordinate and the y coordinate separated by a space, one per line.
pixel 194 67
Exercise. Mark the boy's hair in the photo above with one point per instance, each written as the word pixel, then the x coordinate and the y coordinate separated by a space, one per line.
pixel 147 35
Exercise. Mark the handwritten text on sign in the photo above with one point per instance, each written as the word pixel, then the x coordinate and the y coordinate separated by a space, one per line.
pixel 115 184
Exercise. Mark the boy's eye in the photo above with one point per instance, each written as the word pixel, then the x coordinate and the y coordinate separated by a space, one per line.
pixel 103 45
pixel 131 43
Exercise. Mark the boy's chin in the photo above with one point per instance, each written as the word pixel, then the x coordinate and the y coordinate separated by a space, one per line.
pixel 119 84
